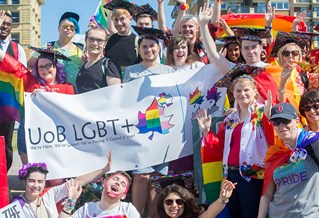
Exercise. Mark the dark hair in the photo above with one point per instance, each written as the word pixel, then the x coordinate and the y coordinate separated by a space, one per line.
pixel 36 169
pixel 146 36
pixel 240 58
pixel 174 43
pixel 60 72
pixel 310 97
pixel 191 209
pixel 8 15
pixel 98 27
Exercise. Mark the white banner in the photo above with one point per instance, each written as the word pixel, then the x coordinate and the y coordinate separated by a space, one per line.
pixel 143 122
pixel 12 210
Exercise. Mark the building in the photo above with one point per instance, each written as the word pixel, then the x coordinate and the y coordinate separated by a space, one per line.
pixel 284 7
pixel 26 21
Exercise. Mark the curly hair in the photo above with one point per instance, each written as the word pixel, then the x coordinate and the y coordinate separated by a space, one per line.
pixel 191 209
pixel 60 72
pixel 175 43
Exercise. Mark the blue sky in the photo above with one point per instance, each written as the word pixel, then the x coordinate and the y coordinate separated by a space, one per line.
pixel 52 10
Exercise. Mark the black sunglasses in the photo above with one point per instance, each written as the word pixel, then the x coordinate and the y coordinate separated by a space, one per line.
pixel 169 202
pixel 287 53
pixel 278 121
pixel 309 107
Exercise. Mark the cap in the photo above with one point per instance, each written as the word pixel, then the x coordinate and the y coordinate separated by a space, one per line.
pixel 146 9
pixel 121 4
pixel 251 34
pixel 229 39
pixel 189 17
pixel 66 15
pixel 50 54
pixel 150 31
pixel 284 38
pixel 240 70
pixel 283 110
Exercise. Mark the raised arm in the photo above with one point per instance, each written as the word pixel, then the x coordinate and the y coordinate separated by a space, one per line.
pixel 216 12
pixel 269 17
pixel 225 26
pixel 204 121
pixel 205 14
pixel 161 18
pixel 297 20
pixel 177 23
pixel 285 74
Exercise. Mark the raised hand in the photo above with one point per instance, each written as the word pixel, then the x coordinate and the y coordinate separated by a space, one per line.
pixel 73 188
pixel 268 105
pixel 269 15
pixel 296 21
pixel 107 167
pixel 205 14
pixel 204 121
pixel 2 16
pixel 227 189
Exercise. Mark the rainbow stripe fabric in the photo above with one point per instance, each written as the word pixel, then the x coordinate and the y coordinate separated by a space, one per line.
pixel 11 97
pixel 101 14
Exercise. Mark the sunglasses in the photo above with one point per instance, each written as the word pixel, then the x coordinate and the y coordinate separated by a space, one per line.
pixel 309 107
pixel 65 26
pixel 47 67
pixel 169 202
pixel 278 121
pixel 287 53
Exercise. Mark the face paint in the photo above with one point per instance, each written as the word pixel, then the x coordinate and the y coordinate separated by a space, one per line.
pixel 116 185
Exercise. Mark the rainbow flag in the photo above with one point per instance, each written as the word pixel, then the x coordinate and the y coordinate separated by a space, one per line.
pixel 280 23
pixel 11 97
pixel 101 13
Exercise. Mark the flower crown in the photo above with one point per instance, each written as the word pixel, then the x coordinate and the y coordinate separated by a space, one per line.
pixel 24 170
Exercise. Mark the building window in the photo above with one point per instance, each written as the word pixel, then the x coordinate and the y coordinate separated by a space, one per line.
pixel 15 17
pixel 280 5
pixel 15 2
pixel 3 2
pixel 15 37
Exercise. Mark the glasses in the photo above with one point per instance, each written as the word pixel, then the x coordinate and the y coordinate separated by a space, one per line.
pixel 277 122
pixel 169 202
pixel 47 67
pixel 309 107
pixel 92 40
pixel 287 53
pixel 65 26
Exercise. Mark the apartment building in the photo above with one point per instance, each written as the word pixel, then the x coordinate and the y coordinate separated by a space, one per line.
pixel 26 21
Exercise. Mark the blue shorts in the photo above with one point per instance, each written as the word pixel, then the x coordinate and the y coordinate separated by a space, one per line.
pixel 22 145
pixel 160 168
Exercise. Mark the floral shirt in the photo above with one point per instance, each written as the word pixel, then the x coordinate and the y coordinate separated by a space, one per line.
pixel 253 142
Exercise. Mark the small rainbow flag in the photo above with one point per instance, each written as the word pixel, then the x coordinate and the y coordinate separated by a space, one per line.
pixel 101 13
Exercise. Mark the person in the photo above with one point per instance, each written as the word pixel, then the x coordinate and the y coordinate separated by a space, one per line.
pixel 68 27
pixel 291 168
pixel 48 76
pixel 175 201
pixel 38 202
pixel 115 187
pixel 15 50
pixel 231 49
pixel 97 71
pixel 142 190
pixel 179 54
pixel 241 142
pixel 309 108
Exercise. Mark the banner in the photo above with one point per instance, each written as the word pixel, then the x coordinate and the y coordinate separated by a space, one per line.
pixel 12 210
pixel 144 122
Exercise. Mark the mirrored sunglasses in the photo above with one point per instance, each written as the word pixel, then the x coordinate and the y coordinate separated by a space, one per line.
pixel 169 202
pixel 278 121
pixel 287 53
pixel 309 107
pixel 65 26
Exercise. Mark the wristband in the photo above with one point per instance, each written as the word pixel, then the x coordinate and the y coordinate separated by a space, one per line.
pixel 183 7
pixel 68 213
pixel 268 27
pixel 223 201
pixel 281 91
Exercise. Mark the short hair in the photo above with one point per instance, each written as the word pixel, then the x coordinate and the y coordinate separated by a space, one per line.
pixel 60 71
pixel 146 36
pixel 123 173
pixel 75 22
pixel 8 15
pixel 191 209
pixel 120 12
pixel 279 53
pixel 310 97
pixel 174 43
pixel 99 28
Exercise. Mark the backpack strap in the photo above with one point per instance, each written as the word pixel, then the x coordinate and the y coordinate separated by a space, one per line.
pixel 105 65
pixel 50 45
pixel 79 45
pixel 311 154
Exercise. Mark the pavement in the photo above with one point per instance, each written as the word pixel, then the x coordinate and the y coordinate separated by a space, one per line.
pixel 16 186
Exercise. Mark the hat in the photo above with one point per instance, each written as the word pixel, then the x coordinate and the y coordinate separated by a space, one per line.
pixel 121 4
pixel 251 34
pixel 283 110
pixel 50 54
pixel 229 39
pixel 145 9
pixel 66 15
pixel 284 38
pixel 240 70
pixel 150 31
pixel 189 17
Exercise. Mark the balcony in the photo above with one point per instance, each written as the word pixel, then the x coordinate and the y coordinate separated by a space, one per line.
pixel 302 1
pixel 240 9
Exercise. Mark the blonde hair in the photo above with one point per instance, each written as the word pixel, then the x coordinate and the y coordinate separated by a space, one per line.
pixel 246 79
pixel 279 53
pixel 120 12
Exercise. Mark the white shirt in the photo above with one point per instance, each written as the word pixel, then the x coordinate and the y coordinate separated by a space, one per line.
pixel 21 53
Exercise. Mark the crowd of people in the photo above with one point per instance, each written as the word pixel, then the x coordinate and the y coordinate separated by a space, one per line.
pixel 267 142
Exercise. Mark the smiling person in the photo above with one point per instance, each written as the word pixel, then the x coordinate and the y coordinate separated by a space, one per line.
pixel 309 108
pixel 292 168
pixel 175 201
pixel 114 191
pixel 68 27
pixel 37 202
pixel 98 71
pixel 231 49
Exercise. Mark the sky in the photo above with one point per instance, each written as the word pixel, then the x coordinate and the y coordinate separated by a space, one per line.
pixel 52 10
